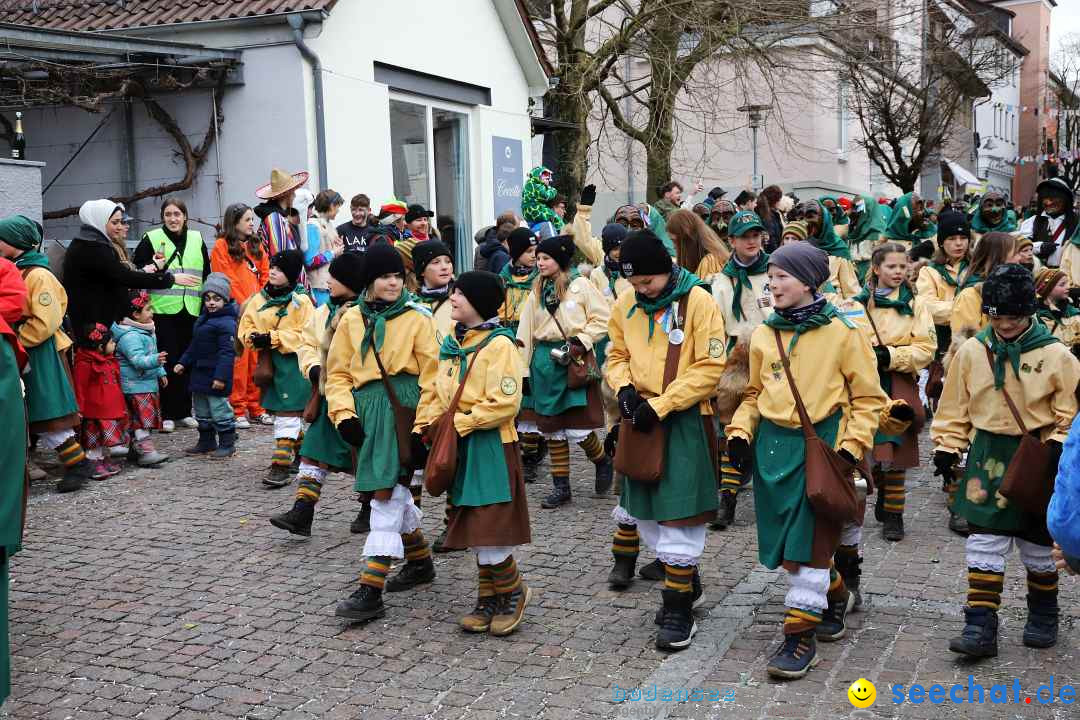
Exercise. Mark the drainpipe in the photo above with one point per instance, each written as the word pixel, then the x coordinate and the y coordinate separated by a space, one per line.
pixel 296 22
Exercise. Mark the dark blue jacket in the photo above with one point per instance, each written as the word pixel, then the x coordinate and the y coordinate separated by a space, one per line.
pixel 211 354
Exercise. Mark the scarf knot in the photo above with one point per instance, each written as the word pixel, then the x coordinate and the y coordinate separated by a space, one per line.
pixel 741 274
pixel 802 320
pixel 1006 353
pixel 376 314
pixel 681 282
pixel 451 348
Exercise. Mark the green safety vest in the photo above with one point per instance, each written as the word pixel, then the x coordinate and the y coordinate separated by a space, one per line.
pixel 178 297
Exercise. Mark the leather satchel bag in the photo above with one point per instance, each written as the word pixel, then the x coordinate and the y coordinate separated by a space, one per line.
pixel 640 455
pixel 904 388
pixel 582 368
pixel 1029 479
pixel 830 483
pixel 404 418
pixel 264 370
pixel 441 467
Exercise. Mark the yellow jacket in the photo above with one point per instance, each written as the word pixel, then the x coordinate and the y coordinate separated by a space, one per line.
pixel 709 266
pixel 43 310
pixel 634 359
pixel 1045 398
pixel 967 314
pixel 492 394
pixel 834 368
pixel 1070 263
pixel 287 334
pixel 583 313
pixel 510 312
pixel 600 280
pixel 581 230
pixel 912 340
pixel 441 320
pixel 935 293
pixel 756 303
pixel 314 335
pixel 843 278
pixel 1067 330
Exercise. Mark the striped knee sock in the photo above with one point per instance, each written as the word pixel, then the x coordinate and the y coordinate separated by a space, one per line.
pixel 798 620
pixel 627 542
pixel 730 478
pixel 950 489
pixel 559 450
pixel 594 449
pixel 486 580
pixel 530 443
pixel 309 489
pixel 506 577
pixel 71 452
pixel 416 547
pixel 297 443
pixel 984 588
pixel 894 491
pixel 678 577
pixel 1042 587
pixel 837 590
pixel 283 452
pixel 375 572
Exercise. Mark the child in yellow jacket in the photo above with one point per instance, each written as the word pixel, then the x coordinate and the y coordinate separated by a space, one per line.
pixel 1018 356
pixel 489 510
pixel 835 371
pixel 608 277
pixel 995 248
pixel 275 321
pixel 1055 309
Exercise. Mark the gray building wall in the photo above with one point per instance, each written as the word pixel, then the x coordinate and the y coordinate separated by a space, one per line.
pixel 20 188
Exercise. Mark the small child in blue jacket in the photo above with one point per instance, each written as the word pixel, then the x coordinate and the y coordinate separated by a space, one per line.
pixel 142 369
pixel 210 357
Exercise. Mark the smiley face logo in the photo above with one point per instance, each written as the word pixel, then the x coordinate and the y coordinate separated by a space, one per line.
pixel 862 693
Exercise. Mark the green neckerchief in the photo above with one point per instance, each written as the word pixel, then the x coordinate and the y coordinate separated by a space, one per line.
pixel 336 307
pixel 684 283
pixel 970 280
pixel 742 278
pixel 898 228
pixel 611 279
pixel 946 275
pixel 525 284
pixel 281 303
pixel 1056 313
pixel 31 258
pixel 1035 337
pixel 901 305
pixel 547 288
pixel 827 239
pixel 451 348
pixel 821 319
pixel 871 222
pixel 375 321
pixel 927 232
pixel 1008 223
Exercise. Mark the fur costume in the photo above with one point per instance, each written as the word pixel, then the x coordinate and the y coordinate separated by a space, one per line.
pixel 958 339
pixel 733 381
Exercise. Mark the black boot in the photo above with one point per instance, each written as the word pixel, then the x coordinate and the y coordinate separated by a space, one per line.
pixel 605 474
pixel 362 522
pixel 226 445
pixel 850 568
pixel 559 496
pixel 652 571
pixel 534 458
pixel 623 573
pixel 1041 629
pixel 958 524
pixel 879 501
pixel 795 657
pixel 298 520
pixel 74 476
pixel 207 442
pixel 697 596
pixel 726 516
pixel 278 477
pixel 677 627
pixel 364 604
pixel 413 574
pixel 978 639
pixel 832 626
pixel 893 527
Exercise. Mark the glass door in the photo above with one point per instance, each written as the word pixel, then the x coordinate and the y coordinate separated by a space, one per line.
pixel 450 133
pixel 409 152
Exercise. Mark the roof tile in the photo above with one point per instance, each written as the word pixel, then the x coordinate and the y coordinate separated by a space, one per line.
pixel 121 14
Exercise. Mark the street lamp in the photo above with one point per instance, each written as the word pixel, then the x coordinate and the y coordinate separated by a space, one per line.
pixel 757 119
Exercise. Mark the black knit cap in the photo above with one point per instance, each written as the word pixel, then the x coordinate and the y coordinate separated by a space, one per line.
pixel 560 248
pixel 381 259
pixel 643 253
pixel 348 269
pixel 290 262
pixel 484 290
pixel 612 236
pixel 520 240
pixel 952 223
pixel 425 252
pixel 1009 290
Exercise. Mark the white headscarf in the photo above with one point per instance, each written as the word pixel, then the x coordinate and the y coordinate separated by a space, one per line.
pixel 96 214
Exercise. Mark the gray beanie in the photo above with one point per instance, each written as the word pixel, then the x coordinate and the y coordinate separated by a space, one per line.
pixel 218 283
pixel 808 264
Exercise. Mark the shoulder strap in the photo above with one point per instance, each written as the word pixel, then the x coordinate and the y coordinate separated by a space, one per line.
pixel 451 409
pixel 870 317
pixel 1008 400
pixel 385 378
pixel 671 364
pixel 804 417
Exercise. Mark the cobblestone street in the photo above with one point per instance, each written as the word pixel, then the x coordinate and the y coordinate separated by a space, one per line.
pixel 166 594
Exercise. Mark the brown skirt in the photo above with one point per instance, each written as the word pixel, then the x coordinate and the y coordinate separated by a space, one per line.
pixel 588 417
pixel 905 455
pixel 499 525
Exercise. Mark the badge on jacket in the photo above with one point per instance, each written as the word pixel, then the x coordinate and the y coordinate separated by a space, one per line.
pixel 508 386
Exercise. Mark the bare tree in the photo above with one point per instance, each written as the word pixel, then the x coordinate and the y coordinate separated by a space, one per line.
pixel 1066 68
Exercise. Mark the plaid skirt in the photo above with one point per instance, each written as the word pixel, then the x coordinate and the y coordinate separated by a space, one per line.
pixel 103 433
pixel 144 411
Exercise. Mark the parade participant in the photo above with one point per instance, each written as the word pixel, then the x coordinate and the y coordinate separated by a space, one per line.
pixel 536 195
pixel 208 360
pixel 1025 252
pixel 902 335
pixel 992 215
pixel 908 223
pixel 1013 360
pixel 322 243
pixel 608 277
pixel 386 328
pixel 352 232
pixel 967 315
pixel 1052 228
pixel 696 247
pixel 588 249
pixel 418 220
pixel 566 314
pixel 722 212
pixel 100 398
pixel 866 225
pixel 1054 308
pixel 275 231
pixel 142 370
pixel 434 267
pixel 240 257
pixel 323 451
pixel 52 411
pixel 842 282
pixel 794 231
pixel 642 215
pixel 489 510
pixel 839 217
pixel 742 292
pixel 274 322
pixel 835 372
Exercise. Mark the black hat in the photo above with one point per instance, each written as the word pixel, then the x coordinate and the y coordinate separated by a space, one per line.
pixel 1055 185
pixel 426 251
pixel 643 253
pixel 612 236
pixel 1009 290
pixel 415 212
pixel 348 269
pixel 952 223
pixel 381 259
pixel 290 262
pixel 717 192
pixel 484 290
pixel 560 248
pixel 520 240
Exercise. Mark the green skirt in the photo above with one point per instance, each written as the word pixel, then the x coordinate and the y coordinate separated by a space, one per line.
pixel 482 476
pixel 290 390
pixel 976 501
pixel 785 518
pixel 12 487
pixel 688 487
pixel 322 442
pixel 377 465
pixel 547 380
pixel 880 438
pixel 49 394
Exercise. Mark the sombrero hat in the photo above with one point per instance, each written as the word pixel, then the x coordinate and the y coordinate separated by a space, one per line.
pixel 280 183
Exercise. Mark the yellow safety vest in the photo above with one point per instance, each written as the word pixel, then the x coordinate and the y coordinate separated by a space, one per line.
pixel 178 297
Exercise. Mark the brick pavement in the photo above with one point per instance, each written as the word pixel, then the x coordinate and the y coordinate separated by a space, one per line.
pixel 166 594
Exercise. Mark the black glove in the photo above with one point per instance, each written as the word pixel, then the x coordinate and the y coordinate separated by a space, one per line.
pixel 629 401
pixel 260 341
pixel 1055 450
pixel 645 418
pixel 526 387
pixel 847 456
pixel 903 413
pixel 1046 249
pixel 351 431
pixel 419 451
pixel 313 376
pixel 612 440
pixel 738 452
pixel 1074 295
pixel 923 250
pixel 945 464
pixel 884 358
pixel 588 195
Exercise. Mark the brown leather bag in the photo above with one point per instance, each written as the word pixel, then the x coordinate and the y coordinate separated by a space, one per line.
pixel 264 370
pixel 1029 479
pixel 935 382
pixel 404 417
pixel 903 386
pixel 640 455
pixel 830 483
pixel 582 368
pixel 441 467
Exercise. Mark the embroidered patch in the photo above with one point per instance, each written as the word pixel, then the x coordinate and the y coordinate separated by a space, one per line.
pixel 716 348
pixel 1039 367
pixel 44 299
pixel 776 368
pixel 508 386
pixel 1025 368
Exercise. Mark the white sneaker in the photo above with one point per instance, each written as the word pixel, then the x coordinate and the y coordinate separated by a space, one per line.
pixel 168 426
pixel 118 451
pixel 190 422
pixel 242 423
pixel 266 419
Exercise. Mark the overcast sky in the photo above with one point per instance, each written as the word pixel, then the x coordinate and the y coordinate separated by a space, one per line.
pixel 1064 20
